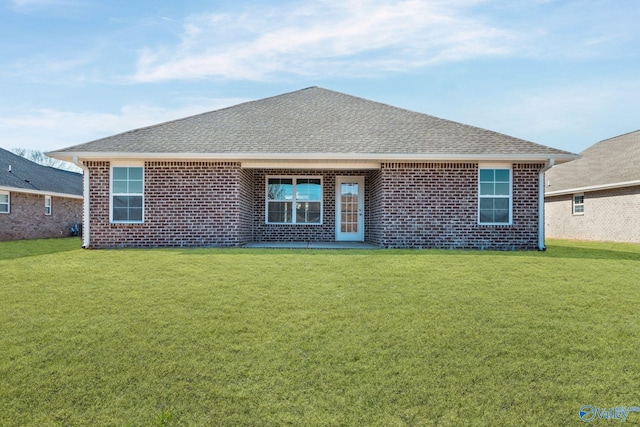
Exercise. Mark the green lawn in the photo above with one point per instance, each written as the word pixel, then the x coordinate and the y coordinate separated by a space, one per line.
pixel 185 337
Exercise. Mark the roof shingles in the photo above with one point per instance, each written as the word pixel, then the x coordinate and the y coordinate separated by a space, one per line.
pixel 313 121
pixel 28 175
pixel 611 161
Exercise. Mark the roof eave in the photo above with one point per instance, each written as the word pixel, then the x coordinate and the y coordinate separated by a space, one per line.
pixel 40 192
pixel 586 189
pixel 381 157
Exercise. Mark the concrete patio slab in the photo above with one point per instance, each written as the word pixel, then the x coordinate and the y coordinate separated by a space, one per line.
pixel 311 245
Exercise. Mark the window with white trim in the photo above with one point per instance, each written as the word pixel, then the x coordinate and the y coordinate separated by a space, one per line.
pixel 294 200
pixel 127 194
pixel 578 204
pixel 4 202
pixel 47 205
pixel 494 196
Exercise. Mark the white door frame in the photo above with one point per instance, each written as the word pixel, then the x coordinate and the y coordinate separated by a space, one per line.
pixel 356 232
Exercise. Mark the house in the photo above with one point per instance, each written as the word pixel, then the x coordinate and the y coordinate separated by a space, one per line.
pixel 597 197
pixel 313 166
pixel 37 201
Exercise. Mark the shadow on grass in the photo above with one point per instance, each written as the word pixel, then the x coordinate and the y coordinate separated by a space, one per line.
pixel 28 248
pixel 561 251
pixel 555 249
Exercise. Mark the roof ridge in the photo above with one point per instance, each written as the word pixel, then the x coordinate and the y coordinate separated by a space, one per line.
pixel 618 136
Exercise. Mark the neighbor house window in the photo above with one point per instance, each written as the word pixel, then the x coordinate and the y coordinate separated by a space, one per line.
pixel 294 200
pixel 127 194
pixel 495 196
pixel 578 204
pixel 4 202
pixel 47 205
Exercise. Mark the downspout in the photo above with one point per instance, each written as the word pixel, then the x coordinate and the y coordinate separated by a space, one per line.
pixel 86 235
pixel 548 166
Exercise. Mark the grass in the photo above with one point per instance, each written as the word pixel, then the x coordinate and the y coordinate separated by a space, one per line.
pixel 329 338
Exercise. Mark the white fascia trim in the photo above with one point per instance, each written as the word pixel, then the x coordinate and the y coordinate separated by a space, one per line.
pixel 109 156
pixel 39 192
pixel 309 164
pixel 593 188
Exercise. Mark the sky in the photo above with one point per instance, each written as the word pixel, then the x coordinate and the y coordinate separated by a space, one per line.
pixel 563 73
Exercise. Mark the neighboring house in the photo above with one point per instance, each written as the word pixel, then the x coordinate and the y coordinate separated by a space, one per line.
pixel 313 166
pixel 37 201
pixel 598 196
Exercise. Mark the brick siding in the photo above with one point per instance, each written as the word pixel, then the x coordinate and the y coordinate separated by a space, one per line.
pixel 413 205
pixel 435 205
pixel 26 218
pixel 185 204
pixel 609 215
pixel 374 213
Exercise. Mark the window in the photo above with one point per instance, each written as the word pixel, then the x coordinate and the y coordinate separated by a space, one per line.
pixel 495 196
pixel 578 204
pixel 4 202
pixel 126 194
pixel 47 205
pixel 294 200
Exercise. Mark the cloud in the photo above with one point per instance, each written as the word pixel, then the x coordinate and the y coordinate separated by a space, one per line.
pixel 49 129
pixel 332 37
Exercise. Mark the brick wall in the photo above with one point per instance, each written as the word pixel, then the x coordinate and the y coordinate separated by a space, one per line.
pixel 374 213
pixel 415 205
pixel 246 206
pixel 27 220
pixel 609 215
pixel 185 204
pixel 435 205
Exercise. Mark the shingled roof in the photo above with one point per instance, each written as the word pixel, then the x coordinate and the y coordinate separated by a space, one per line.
pixel 315 123
pixel 613 162
pixel 21 174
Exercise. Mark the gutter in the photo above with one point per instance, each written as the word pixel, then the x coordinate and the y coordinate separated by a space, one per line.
pixel 86 238
pixel 549 165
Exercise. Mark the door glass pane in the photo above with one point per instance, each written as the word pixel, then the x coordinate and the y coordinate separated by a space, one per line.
pixel 349 205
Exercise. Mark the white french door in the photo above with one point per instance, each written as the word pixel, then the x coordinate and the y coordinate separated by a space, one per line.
pixel 350 208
